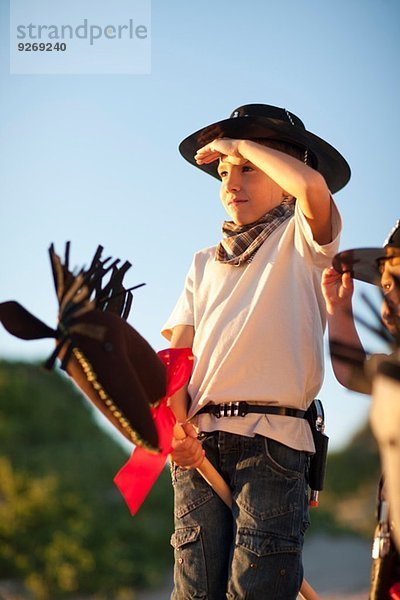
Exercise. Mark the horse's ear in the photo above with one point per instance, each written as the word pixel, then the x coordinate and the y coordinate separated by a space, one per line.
pixel 21 323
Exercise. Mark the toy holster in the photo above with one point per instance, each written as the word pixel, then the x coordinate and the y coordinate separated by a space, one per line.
pixel 316 418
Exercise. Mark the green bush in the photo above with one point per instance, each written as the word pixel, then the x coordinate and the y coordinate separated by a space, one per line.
pixel 64 528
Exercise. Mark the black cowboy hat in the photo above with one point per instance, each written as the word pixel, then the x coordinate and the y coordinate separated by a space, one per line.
pixel 364 263
pixel 254 121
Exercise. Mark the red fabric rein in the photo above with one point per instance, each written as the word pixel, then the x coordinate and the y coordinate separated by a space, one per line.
pixel 136 478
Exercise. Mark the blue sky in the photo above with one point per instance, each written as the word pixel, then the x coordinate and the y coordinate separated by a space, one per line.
pixel 93 158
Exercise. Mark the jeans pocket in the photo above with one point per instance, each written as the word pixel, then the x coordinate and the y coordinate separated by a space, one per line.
pixel 191 491
pixel 261 543
pixel 184 536
pixel 283 460
pixel 264 566
pixel 190 573
pixel 270 487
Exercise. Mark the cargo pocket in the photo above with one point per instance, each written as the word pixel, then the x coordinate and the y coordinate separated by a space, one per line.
pixel 264 562
pixel 260 543
pixel 191 493
pixel 190 566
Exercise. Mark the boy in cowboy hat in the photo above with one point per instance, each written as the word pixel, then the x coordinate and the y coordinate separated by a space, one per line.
pixel 378 374
pixel 253 312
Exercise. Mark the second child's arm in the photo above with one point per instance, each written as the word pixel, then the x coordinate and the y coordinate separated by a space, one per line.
pixel 338 292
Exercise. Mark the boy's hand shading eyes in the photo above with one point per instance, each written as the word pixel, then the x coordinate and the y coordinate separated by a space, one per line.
pixel 221 147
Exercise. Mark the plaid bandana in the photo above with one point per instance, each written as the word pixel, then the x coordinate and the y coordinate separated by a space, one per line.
pixel 241 242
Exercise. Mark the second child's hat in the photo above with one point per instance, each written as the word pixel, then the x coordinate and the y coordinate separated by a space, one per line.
pixel 365 263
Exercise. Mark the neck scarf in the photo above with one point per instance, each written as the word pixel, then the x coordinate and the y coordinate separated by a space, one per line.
pixel 241 242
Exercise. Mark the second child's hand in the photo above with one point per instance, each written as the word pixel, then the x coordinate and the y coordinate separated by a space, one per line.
pixel 337 289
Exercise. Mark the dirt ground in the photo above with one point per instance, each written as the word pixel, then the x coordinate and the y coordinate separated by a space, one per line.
pixel 338 567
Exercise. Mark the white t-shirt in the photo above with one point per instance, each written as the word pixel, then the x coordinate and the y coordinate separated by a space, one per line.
pixel 259 331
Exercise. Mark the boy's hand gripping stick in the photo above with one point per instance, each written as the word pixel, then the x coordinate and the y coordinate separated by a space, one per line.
pixel 209 472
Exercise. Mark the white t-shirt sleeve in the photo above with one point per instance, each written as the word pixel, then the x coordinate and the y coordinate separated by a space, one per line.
pixel 321 254
pixel 183 312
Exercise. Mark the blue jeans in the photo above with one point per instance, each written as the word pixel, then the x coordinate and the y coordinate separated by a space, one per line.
pixel 253 551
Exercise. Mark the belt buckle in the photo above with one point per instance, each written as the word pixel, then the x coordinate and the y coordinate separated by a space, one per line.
pixel 229 409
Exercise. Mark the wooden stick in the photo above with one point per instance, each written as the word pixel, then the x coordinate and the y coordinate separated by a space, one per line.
pixel 307 592
pixel 219 485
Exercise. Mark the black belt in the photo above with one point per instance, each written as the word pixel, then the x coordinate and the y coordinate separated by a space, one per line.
pixel 241 409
